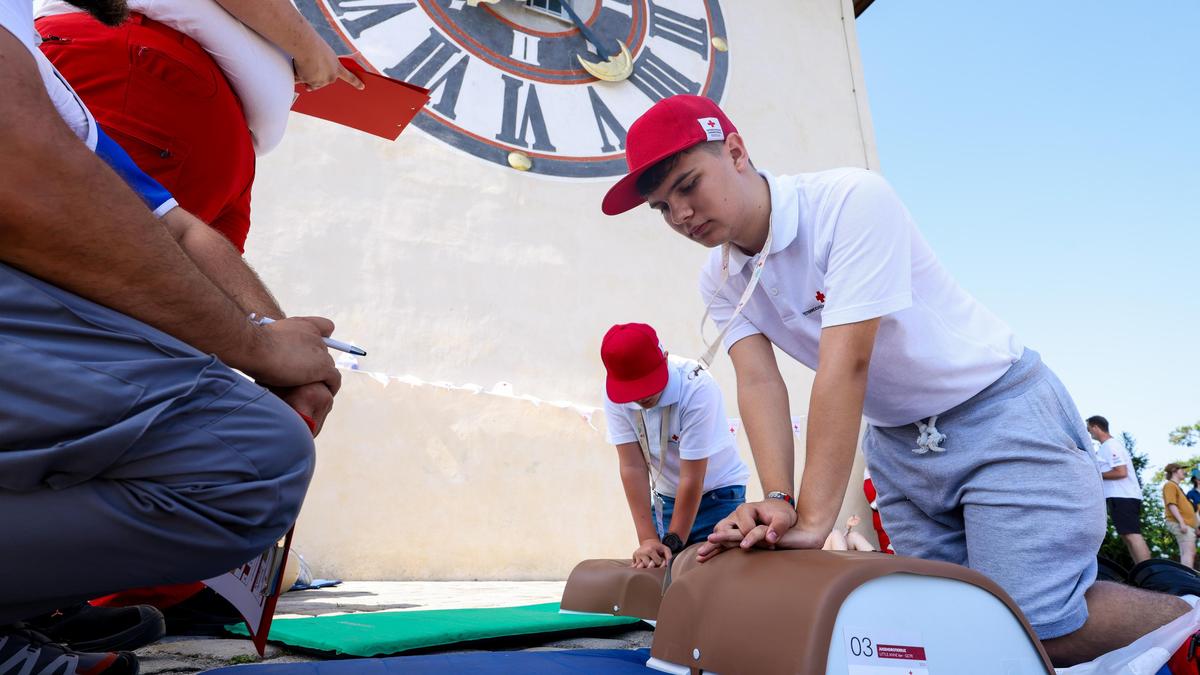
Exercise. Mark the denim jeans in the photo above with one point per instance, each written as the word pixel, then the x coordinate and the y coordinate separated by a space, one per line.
pixel 714 505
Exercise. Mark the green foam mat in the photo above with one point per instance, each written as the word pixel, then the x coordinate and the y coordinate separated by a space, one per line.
pixel 383 633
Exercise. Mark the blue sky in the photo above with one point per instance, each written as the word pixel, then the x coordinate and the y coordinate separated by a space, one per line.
pixel 1050 152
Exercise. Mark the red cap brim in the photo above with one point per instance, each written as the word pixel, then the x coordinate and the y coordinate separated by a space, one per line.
pixel 628 391
pixel 624 195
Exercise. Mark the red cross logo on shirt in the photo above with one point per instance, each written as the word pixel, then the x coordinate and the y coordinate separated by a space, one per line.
pixel 820 296
pixel 711 124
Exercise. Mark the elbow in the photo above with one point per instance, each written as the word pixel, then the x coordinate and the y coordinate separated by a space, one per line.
pixel 851 370
pixel 759 378
pixel 178 224
pixel 630 473
pixel 691 485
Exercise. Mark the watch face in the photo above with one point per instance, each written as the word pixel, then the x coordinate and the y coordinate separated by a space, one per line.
pixel 505 76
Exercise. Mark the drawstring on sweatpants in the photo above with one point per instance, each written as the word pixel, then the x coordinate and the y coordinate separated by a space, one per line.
pixel 930 437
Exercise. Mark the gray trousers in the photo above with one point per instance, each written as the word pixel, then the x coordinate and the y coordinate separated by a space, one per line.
pixel 128 458
pixel 1015 494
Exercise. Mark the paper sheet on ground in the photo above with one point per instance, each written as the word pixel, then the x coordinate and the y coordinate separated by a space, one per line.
pixel 253 589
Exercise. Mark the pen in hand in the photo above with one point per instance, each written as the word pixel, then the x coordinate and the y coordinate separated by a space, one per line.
pixel 329 342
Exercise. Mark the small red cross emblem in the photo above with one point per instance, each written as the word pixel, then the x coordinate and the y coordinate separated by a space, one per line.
pixel 820 296
pixel 711 124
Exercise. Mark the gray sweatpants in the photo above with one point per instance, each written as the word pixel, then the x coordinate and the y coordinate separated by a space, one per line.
pixel 128 458
pixel 1015 494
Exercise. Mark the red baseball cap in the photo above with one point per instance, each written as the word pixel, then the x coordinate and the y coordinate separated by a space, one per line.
pixel 636 362
pixel 672 125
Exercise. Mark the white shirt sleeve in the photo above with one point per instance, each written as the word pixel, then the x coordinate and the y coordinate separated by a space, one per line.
pixel 868 269
pixel 1114 453
pixel 16 16
pixel 703 427
pixel 618 428
pixel 722 308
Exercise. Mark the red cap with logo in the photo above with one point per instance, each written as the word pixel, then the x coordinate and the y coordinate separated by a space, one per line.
pixel 636 362
pixel 672 125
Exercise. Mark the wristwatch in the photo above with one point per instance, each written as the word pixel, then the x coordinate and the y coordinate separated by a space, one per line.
pixel 673 542
pixel 776 494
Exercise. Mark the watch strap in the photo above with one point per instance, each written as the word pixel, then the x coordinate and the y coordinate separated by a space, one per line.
pixel 776 494
pixel 673 542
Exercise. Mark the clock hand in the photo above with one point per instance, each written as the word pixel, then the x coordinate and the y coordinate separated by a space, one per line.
pixel 588 33
pixel 615 67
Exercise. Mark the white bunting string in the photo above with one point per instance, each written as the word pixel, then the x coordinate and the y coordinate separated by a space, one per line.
pixel 504 389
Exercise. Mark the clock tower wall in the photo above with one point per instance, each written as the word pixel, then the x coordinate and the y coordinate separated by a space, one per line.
pixel 452 270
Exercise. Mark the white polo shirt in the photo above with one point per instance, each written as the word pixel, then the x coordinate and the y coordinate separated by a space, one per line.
pixel 1112 454
pixel 699 428
pixel 16 16
pixel 845 250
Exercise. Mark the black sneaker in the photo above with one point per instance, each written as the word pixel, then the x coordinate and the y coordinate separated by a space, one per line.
pixel 26 651
pixel 205 613
pixel 86 628
pixel 1165 576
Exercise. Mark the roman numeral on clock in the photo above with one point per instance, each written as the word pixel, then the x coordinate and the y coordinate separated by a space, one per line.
pixel 525 48
pixel 531 119
pixel 657 79
pixel 681 29
pixel 605 118
pixel 623 6
pixel 426 61
pixel 376 13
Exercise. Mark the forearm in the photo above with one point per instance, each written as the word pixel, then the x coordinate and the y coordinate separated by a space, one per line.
pixel 68 219
pixel 687 503
pixel 1175 512
pixel 766 416
pixel 218 260
pixel 276 20
pixel 637 493
pixel 1115 474
pixel 834 415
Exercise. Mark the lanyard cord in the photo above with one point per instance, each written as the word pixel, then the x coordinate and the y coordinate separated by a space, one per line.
pixel 759 262
pixel 644 442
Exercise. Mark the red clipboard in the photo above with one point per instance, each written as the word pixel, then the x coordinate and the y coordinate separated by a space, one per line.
pixel 383 108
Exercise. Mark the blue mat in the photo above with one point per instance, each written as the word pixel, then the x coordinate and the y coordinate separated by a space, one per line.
pixel 566 662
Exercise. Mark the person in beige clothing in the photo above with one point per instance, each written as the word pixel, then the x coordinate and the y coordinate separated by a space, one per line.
pixel 1181 517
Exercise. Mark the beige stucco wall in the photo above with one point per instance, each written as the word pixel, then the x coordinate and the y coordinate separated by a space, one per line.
pixel 450 269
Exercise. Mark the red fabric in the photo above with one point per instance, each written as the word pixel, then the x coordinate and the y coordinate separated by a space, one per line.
pixel 161 597
pixel 1184 660
pixel 635 361
pixel 885 543
pixel 670 126
pixel 159 95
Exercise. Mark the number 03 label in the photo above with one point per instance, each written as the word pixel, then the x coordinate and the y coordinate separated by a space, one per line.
pixel 873 651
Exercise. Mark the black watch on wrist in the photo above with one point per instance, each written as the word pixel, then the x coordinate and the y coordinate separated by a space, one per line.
pixel 673 542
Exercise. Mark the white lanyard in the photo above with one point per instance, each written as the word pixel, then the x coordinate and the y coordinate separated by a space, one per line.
pixel 759 261
pixel 644 442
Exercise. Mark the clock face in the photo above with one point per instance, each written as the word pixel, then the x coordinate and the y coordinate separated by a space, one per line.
pixel 505 76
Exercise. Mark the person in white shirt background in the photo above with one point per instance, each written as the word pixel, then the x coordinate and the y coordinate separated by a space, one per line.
pixel 1122 492
pixel 678 458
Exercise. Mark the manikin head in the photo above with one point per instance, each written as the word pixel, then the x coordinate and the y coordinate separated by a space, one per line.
pixel 636 364
pixel 688 162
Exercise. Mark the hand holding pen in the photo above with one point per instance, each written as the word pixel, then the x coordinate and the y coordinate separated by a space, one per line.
pixel 329 342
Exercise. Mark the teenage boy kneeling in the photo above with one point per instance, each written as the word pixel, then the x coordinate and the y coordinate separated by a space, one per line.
pixel 654 402
pixel 978 453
